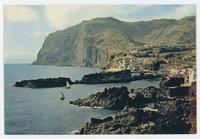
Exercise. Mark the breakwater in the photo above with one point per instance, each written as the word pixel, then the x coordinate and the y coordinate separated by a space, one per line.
pixel 43 83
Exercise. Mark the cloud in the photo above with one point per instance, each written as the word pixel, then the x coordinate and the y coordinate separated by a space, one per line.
pixel 40 33
pixel 186 10
pixel 19 14
pixel 178 12
pixel 55 15
pixel 60 17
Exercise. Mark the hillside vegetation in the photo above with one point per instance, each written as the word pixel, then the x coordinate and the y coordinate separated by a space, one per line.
pixel 96 42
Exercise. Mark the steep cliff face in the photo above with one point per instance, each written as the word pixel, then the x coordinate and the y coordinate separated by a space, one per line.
pixel 97 41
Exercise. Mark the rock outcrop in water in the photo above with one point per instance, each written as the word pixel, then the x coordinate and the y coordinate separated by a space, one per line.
pixel 115 77
pixel 107 77
pixel 44 83
pixel 113 98
pixel 143 111
pixel 119 97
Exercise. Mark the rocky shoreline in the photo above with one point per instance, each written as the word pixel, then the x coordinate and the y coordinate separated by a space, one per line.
pixel 141 111
pixel 95 78
pixel 120 97
pixel 169 109
pixel 142 121
pixel 122 76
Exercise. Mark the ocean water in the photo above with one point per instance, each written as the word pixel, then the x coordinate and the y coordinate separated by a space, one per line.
pixel 40 111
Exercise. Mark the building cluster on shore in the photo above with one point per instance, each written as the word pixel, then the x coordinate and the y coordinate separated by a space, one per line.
pixel 187 74
pixel 136 60
pixel 178 81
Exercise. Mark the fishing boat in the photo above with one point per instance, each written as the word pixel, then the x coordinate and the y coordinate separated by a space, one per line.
pixel 62 96
pixel 67 85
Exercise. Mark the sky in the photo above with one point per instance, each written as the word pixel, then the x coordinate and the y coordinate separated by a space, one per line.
pixel 26 26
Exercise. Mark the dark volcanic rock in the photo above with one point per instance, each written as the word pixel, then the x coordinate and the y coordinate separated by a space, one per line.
pixel 146 111
pixel 122 76
pixel 118 98
pixel 107 77
pixel 173 81
pixel 143 111
pixel 173 119
pixel 122 123
pixel 99 121
pixel 140 96
pixel 114 98
pixel 168 118
pixel 44 83
pixel 172 87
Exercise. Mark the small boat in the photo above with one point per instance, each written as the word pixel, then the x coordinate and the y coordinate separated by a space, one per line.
pixel 62 96
pixel 67 85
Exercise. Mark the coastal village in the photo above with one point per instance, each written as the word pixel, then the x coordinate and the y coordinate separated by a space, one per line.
pixel 133 61
pixel 187 74
pixel 175 97
pixel 149 62
pixel 116 71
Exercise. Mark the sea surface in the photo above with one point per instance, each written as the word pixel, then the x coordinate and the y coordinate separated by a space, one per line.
pixel 40 111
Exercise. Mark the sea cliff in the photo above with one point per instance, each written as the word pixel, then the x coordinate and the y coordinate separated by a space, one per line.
pixel 99 41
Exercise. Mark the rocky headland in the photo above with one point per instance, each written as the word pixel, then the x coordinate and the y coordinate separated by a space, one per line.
pixel 142 111
pixel 120 97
